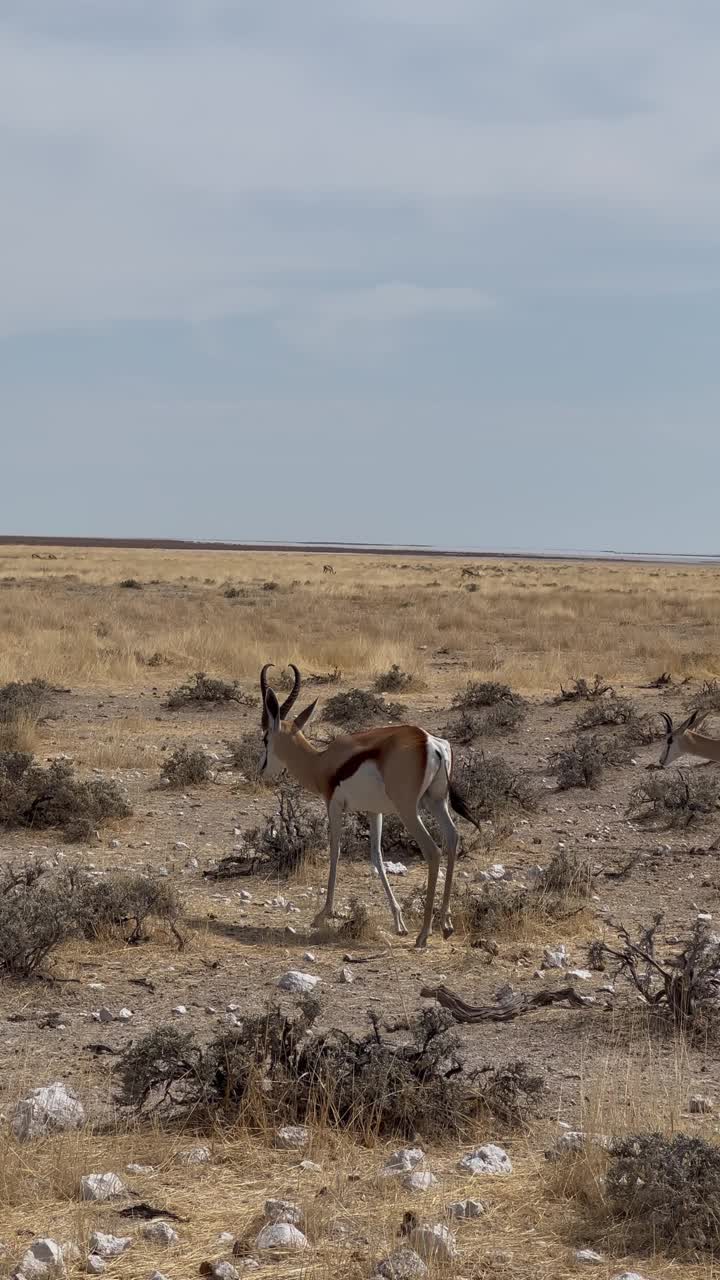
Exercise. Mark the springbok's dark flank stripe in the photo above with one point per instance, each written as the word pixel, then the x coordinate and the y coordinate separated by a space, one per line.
pixel 351 766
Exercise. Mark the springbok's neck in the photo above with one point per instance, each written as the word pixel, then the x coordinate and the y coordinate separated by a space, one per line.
pixel 696 744
pixel 301 759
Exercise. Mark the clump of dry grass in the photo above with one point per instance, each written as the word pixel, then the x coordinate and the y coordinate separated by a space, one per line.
pixel 277 1068
pixel 357 925
pixel 394 680
pixel 501 908
pixel 32 796
pixel 665 1192
pixel 23 704
pixel 485 707
pixel 675 799
pixel 491 786
pixel 613 710
pixel 186 767
pixel 131 584
pixel 41 908
pixel 358 708
pixel 203 690
pixel 582 764
pixel 246 754
pixel 708 698
pixel 582 690
pixel 292 834
pixel 512 1093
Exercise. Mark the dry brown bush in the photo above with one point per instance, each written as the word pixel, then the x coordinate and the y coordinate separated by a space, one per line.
pixel 358 708
pixel 675 799
pixel 203 690
pixel 186 767
pixel 32 796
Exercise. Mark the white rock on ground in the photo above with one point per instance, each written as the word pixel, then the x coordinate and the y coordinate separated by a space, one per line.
pixel 554 957
pixel 292 1137
pixel 283 1211
pixel 158 1275
pixel 629 1275
pixel 95 1265
pixel 309 1166
pixel 281 1235
pixel 160 1232
pixel 102 1186
pixel 486 1159
pixel 222 1271
pixel 107 1246
pixel 404 1264
pixel 139 1169
pixel 419 1180
pixel 434 1243
pixel 396 868
pixel 193 1155
pixel 402 1161
pixel 299 984
pixel 53 1108
pixel 43 1258
pixel 589 1257
pixel 346 975
pixel 576 1140
pixel 466 1209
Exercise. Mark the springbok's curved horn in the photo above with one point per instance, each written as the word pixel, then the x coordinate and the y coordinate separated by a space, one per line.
pixel 264 679
pixel 291 699
pixel 668 721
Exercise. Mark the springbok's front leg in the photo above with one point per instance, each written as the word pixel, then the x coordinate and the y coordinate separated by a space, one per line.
pixel 335 822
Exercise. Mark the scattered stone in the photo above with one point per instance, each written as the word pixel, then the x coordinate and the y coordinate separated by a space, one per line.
pixel 292 1137
pixel 419 1180
pixel 589 1257
pixel 629 1275
pixel 139 1169
pixel 700 1106
pixel 106 1246
pixel 575 1140
pixel 50 1109
pixel 43 1258
pixel 487 1159
pixel 102 1186
pixel 554 957
pixel 436 1243
pixel 309 1166
pixel 95 1265
pixel 103 1015
pixel 396 868
pixel 160 1232
pixel 281 1235
pixel 405 1264
pixel 299 984
pixel 193 1155
pixel 180 1010
pixel 283 1211
pixel 583 975
pixel 466 1209
pixel 124 1015
pixel 245 896
pixel 158 1275
pixel 225 1240
pixel 347 976
pixel 219 1270
pixel 403 1161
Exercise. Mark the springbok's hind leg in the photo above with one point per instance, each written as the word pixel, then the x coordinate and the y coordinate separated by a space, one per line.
pixel 431 854
pixel 375 822
pixel 451 840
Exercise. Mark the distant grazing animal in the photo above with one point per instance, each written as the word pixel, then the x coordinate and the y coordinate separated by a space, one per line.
pixel 685 740
pixel 327 568
pixel 379 771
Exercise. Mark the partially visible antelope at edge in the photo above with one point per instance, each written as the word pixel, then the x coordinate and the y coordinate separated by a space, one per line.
pixel 685 740
pixel 376 772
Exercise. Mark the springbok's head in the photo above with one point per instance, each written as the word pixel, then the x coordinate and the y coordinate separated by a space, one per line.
pixel 276 727
pixel 675 740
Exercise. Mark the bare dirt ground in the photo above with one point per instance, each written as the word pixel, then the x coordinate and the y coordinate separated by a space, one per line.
pixel 116 651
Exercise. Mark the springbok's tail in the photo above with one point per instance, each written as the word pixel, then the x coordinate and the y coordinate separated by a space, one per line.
pixel 459 804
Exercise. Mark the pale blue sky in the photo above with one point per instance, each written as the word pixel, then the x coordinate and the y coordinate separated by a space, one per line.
pixel 438 271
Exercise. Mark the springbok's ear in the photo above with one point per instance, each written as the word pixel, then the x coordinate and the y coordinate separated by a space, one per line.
pixel 272 711
pixel 306 715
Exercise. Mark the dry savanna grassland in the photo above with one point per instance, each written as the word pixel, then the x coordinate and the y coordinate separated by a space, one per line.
pixel 153 893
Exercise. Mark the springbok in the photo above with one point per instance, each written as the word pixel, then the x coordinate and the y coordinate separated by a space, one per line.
pixel 376 772
pixel 685 740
